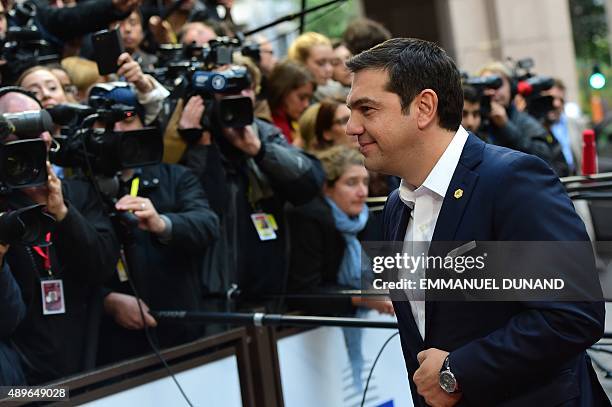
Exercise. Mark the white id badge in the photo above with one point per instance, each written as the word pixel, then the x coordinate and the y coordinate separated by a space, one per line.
pixel 52 292
pixel 262 223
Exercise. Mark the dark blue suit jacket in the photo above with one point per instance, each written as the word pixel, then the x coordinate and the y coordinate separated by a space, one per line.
pixel 505 353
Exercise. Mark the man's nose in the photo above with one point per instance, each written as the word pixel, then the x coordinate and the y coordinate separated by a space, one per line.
pixel 353 128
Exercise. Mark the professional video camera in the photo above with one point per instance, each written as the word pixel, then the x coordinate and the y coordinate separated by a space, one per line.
pixel 23 164
pixel 480 84
pixel 208 71
pixel 531 87
pixel 102 150
pixel 24 45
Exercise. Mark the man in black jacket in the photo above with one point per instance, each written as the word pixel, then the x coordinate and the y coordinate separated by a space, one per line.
pixel 250 173
pixel 164 257
pixel 11 314
pixel 80 254
pixel 510 127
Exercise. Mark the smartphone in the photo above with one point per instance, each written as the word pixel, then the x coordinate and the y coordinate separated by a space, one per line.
pixel 107 47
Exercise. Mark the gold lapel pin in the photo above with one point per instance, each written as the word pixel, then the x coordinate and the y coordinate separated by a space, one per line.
pixel 458 193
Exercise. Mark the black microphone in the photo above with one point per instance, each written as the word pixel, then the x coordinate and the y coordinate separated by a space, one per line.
pixel 65 113
pixel 485 82
pixel 535 85
pixel 30 122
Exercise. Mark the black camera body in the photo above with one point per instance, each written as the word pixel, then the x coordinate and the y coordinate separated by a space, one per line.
pixel 23 160
pixel 104 151
pixel 199 70
pixel 24 46
pixel 480 84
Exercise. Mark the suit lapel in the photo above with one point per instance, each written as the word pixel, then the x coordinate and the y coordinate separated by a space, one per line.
pixel 455 202
pixel 401 303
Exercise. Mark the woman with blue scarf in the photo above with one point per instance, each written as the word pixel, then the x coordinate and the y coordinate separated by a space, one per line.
pixel 325 247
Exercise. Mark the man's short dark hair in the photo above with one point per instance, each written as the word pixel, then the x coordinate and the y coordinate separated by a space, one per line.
pixel 363 34
pixel 470 94
pixel 414 65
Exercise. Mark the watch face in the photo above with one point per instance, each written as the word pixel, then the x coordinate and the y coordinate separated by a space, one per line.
pixel 448 382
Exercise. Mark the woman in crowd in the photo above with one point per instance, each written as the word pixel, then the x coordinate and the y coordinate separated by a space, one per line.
pixel 314 51
pixel 323 125
pixel 290 90
pixel 45 85
pixel 325 249
pixel 326 253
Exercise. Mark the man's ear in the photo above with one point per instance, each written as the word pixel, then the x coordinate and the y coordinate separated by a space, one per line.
pixel 426 108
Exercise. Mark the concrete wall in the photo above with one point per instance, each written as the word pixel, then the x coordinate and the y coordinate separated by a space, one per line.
pixel 478 31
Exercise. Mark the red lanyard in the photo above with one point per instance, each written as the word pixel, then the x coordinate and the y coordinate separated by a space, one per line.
pixel 45 253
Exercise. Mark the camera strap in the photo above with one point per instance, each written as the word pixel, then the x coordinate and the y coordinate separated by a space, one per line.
pixel 45 254
pixel 51 289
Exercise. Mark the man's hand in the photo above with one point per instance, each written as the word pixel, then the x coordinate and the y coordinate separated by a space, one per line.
pixel 55 198
pixel 383 306
pixel 498 115
pixel 244 139
pixel 191 118
pixel 161 30
pixel 123 6
pixel 132 72
pixel 3 249
pixel 148 218
pixel 427 379
pixel 124 309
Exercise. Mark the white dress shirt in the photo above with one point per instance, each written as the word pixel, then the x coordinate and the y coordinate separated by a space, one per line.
pixel 426 202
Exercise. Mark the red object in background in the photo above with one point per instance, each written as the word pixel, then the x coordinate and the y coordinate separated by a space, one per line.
pixel 589 152
pixel 524 88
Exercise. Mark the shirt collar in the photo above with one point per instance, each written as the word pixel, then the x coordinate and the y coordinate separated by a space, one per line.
pixel 441 175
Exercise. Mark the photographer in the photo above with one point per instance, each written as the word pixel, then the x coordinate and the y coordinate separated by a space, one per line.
pixel 470 119
pixel 252 172
pixel 567 131
pixel 54 340
pixel 163 255
pixel 510 127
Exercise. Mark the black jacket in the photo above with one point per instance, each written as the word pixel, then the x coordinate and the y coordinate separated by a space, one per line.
pixel 523 133
pixel 165 274
pixel 11 313
pixel 258 267
pixel 83 254
pixel 317 249
pixel 71 22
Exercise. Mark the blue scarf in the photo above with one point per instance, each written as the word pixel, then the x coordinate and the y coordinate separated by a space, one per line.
pixel 350 268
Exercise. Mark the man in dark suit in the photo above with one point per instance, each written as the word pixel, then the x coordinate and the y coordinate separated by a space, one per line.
pixel 406 106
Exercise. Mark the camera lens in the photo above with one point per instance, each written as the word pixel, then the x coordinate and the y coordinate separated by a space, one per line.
pixel 20 168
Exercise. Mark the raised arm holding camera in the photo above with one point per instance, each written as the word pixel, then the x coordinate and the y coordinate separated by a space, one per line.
pixel 250 166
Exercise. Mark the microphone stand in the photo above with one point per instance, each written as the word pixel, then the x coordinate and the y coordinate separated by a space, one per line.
pixel 291 16
pixel 259 319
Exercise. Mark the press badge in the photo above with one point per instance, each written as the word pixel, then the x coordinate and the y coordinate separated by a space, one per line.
pixel 265 224
pixel 52 292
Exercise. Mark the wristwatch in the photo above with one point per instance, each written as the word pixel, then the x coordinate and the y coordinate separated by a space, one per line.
pixel 448 381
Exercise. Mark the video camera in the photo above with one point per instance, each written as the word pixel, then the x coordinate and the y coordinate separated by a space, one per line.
pixel 102 150
pixel 207 71
pixel 24 46
pixel 23 164
pixel 531 87
pixel 480 84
